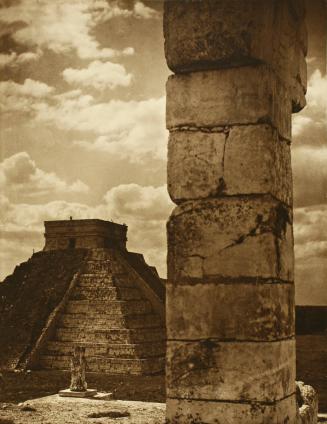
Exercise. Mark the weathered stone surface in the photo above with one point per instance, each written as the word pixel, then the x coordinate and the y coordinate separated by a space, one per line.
pixel 212 33
pixel 288 51
pixel 240 160
pixel 302 36
pixel 246 371
pixel 257 312
pixel 195 164
pixel 183 411
pixel 247 95
pixel 230 237
pixel 241 72
pixel 216 34
pixel 307 401
pixel 78 369
pixel 299 81
pixel 256 158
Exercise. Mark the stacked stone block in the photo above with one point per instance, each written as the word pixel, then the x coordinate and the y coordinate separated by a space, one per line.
pixel 239 74
pixel 108 315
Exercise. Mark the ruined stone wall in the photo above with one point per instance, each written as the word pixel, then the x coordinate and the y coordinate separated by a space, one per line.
pixel 240 72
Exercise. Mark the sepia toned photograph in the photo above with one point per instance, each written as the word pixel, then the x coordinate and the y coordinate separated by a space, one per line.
pixel 163 211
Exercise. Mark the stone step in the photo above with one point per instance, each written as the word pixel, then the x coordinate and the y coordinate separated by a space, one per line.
pixel 110 306
pixel 105 321
pixel 99 254
pixel 108 365
pixel 139 350
pixel 105 293
pixel 105 280
pixel 98 266
pixel 110 336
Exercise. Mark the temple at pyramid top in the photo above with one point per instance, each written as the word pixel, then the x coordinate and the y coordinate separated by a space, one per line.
pixel 84 233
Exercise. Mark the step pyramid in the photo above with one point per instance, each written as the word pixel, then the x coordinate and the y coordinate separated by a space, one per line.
pixel 85 288
pixel 108 314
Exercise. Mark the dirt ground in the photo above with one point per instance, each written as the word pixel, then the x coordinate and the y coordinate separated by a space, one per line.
pixel 18 387
pixel 20 392
pixel 57 410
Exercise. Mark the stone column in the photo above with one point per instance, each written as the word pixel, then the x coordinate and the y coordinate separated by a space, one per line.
pixel 78 368
pixel 240 72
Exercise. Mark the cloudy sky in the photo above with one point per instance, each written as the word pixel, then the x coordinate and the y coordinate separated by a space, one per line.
pixel 82 131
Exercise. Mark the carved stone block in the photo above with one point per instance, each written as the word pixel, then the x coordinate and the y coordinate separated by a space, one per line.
pixel 230 237
pixel 224 97
pixel 247 371
pixel 259 311
pixel 239 160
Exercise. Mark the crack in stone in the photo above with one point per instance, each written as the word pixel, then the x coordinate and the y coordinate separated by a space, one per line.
pixel 251 233
pixel 278 228
pixel 238 401
pixel 226 132
pixel 221 183
pixel 183 202
pixel 278 257
pixel 222 128
pixel 227 280
pixel 191 128
pixel 215 340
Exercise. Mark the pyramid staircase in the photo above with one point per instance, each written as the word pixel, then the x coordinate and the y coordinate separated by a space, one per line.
pixel 114 313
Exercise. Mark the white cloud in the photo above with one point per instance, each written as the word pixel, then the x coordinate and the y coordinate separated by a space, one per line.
pixel 311 123
pixel 310 229
pixel 299 123
pixel 28 56
pixel 128 51
pixel 106 11
pixel 132 130
pixel 7 59
pixel 13 59
pixel 309 174
pixel 22 97
pixel 29 88
pixel 19 176
pixel 142 11
pixel 317 89
pixel 61 25
pixel 100 75
pixel 132 201
pixel 310 234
